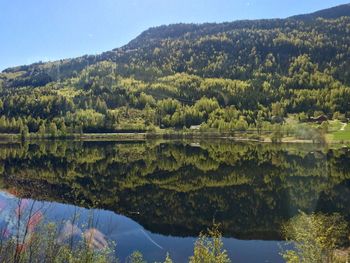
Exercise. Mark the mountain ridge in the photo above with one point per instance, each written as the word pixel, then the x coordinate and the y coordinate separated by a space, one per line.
pixel 332 12
pixel 328 13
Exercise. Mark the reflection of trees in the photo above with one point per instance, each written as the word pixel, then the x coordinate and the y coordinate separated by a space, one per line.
pixel 178 189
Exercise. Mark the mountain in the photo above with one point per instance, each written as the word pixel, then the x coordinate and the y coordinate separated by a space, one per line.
pixel 143 46
pixel 330 13
pixel 168 75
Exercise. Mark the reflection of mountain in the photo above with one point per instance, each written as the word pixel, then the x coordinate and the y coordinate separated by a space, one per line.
pixel 178 189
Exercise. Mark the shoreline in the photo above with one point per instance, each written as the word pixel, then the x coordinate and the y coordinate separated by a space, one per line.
pixel 143 136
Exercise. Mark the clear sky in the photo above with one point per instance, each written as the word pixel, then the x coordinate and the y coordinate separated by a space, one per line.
pixel 33 30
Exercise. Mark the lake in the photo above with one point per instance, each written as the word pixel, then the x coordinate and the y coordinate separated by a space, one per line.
pixel 157 196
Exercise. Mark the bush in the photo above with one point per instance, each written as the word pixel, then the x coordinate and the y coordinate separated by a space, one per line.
pixel 209 248
pixel 315 238
pixel 44 246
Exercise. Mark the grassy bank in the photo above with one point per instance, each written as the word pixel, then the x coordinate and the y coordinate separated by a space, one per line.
pixel 336 133
pixel 343 134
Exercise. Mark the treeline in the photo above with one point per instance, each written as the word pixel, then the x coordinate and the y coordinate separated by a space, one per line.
pixel 42 128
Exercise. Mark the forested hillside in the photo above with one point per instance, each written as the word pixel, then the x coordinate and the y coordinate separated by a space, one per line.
pixel 228 76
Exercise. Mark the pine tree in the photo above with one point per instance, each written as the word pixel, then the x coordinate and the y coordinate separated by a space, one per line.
pixel 42 130
pixel 24 132
pixel 53 130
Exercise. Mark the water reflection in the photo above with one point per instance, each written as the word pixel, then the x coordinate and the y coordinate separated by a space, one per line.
pixel 180 188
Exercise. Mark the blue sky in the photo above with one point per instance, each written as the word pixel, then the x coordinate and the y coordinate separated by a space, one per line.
pixel 33 30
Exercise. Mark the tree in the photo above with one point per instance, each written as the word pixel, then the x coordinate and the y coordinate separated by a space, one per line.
pixel 209 248
pixel 168 259
pixel 191 116
pixel 3 124
pixel 277 134
pixel 315 237
pixel 149 115
pixel 24 132
pixel 42 130
pixel 259 122
pixel 53 130
pixel 136 257
pixel 62 128
pixel 101 106
pixel 168 106
pixel 206 106
pixel 277 109
pixel 145 99
pixel 241 124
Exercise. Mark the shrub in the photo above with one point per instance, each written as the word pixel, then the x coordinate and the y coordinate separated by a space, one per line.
pixel 314 237
pixel 209 248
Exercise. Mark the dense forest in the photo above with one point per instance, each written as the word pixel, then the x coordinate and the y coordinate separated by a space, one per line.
pixel 229 77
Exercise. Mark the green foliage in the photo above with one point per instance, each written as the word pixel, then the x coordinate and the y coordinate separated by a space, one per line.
pixel 168 259
pixel 315 238
pixel 24 132
pixel 53 130
pixel 206 105
pixel 241 124
pixel 136 257
pixel 277 134
pixel 42 130
pixel 231 76
pixel 168 106
pixel 308 132
pixel 45 247
pixel 209 248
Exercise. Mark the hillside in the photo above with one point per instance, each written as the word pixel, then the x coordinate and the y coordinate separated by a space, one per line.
pixel 330 13
pixel 227 76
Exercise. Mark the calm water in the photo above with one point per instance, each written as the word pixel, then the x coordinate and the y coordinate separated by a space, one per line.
pixel 156 197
